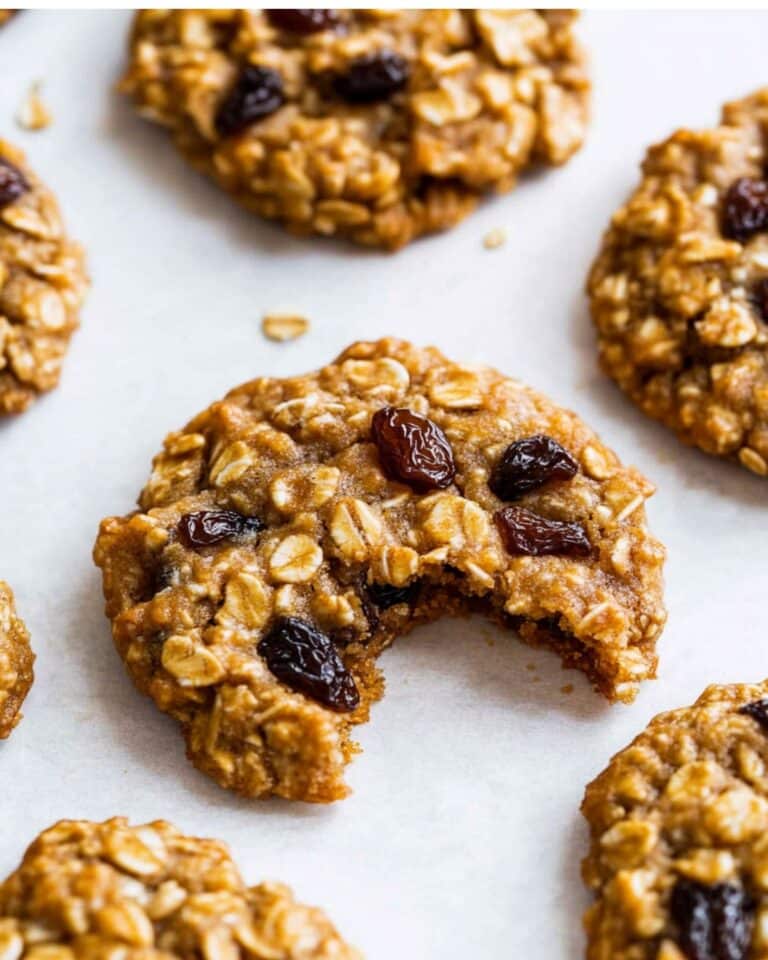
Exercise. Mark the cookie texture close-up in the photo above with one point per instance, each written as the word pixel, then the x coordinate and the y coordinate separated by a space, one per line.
pixel 16 663
pixel 103 891
pixel 290 532
pixel 377 126
pixel 679 291
pixel 679 822
pixel 42 284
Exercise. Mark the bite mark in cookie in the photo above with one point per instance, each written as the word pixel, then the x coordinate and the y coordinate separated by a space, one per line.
pixel 16 661
pixel 42 284
pixel 377 126
pixel 678 291
pixel 335 511
pixel 679 822
pixel 149 891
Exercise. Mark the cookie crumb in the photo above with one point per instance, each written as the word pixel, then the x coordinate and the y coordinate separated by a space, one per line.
pixel 33 113
pixel 284 326
pixel 567 688
pixel 495 238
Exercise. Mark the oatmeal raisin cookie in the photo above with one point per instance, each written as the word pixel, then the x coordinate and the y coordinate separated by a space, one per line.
pixel 42 284
pixel 103 891
pixel 373 125
pixel 292 531
pixel 679 291
pixel 16 660
pixel 679 823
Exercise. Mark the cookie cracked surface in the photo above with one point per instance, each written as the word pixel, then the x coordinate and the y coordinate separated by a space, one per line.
pixel 377 126
pixel 679 824
pixel 91 891
pixel 42 284
pixel 16 661
pixel 292 531
pixel 679 291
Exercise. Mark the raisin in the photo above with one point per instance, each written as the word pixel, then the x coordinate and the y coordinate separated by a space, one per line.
pixel 384 595
pixel 306 660
pixel 413 449
pixel 206 527
pixel 759 297
pixel 528 464
pixel 758 710
pixel 303 21
pixel 713 922
pixel 373 77
pixel 745 211
pixel 13 183
pixel 524 532
pixel 164 576
pixel 257 92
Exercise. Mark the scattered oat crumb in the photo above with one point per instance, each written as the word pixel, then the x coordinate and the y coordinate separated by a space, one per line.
pixel 568 688
pixel 33 113
pixel 530 666
pixel 495 238
pixel 284 326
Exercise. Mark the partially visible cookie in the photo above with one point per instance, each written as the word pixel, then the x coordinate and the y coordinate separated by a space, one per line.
pixel 16 660
pixel 42 284
pixel 373 125
pixel 103 891
pixel 5 16
pixel 292 531
pixel 679 291
pixel 679 823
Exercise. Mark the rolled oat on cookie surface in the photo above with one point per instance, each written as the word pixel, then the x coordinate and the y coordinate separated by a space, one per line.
pixel 373 125
pixel 289 533
pixel 679 824
pixel 16 662
pixel 679 290
pixel 102 891
pixel 42 285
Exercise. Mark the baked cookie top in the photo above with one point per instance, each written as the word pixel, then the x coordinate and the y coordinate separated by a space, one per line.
pixel 679 291
pixel 679 823
pixel 373 125
pixel 91 891
pixel 291 531
pixel 42 284
pixel 16 660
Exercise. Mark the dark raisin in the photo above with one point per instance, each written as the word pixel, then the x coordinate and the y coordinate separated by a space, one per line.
pixel 413 449
pixel 306 660
pixel 13 183
pixel 384 595
pixel 165 576
pixel 524 532
pixel 713 922
pixel 303 21
pixel 758 710
pixel 257 92
pixel 206 527
pixel 373 77
pixel 759 297
pixel 745 210
pixel 528 464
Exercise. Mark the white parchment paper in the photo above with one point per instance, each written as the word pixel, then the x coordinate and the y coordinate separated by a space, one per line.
pixel 463 837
